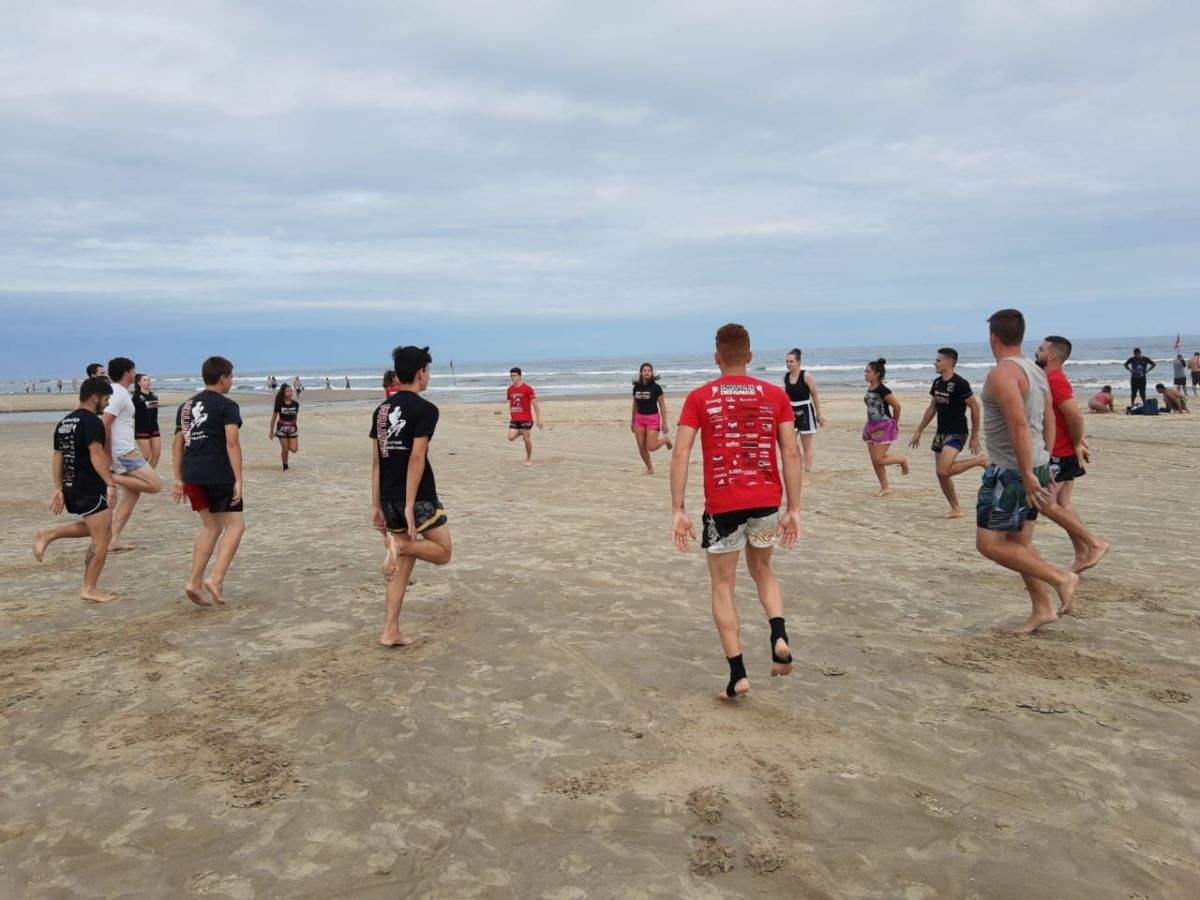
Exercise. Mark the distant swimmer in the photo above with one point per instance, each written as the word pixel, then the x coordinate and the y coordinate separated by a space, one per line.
pixel 1068 454
pixel 83 485
pixel 523 412
pixel 801 389
pixel 883 424
pixel 648 415
pixel 284 423
pixel 404 500
pixel 745 428
pixel 1017 420
pixel 131 470
pixel 207 455
pixel 1138 366
pixel 145 420
pixel 1103 401
pixel 952 397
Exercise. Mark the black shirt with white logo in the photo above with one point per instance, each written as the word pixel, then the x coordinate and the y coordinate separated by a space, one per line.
pixel 145 412
pixel 287 412
pixel 395 426
pixel 73 438
pixel 202 419
pixel 1138 366
pixel 951 398
pixel 646 396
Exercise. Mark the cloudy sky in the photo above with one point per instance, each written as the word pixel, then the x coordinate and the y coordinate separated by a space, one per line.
pixel 284 180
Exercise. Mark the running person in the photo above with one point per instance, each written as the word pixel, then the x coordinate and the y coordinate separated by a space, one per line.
pixel 952 397
pixel 648 415
pixel 145 420
pixel 207 456
pixel 741 421
pixel 283 423
pixel 1138 367
pixel 1193 365
pixel 806 408
pixel 523 411
pixel 404 501
pixel 128 465
pixel 83 485
pixel 883 423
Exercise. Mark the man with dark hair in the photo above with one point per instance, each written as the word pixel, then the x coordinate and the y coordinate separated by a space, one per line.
pixel 952 398
pixel 522 410
pixel 1069 451
pixel 741 422
pixel 1138 367
pixel 83 485
pixel 1175 401
pixel 207 457
pixel 1179 365
pixel 95 369
pixel 130 469
pixel 1193 365
pixel 1018 424
pixel 404 501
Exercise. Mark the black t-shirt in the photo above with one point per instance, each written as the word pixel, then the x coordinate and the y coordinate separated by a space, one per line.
pixel 395 425
pixel 951 398
pixel 877 408
pixel 202 419
pixel 646 396
pixel 73 438
pixel 287 412
pixel 1139 365
pixel 145 412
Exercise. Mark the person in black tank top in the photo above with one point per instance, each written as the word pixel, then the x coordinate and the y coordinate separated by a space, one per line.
pixel 806 408
pixel 283 423
pixel 145 420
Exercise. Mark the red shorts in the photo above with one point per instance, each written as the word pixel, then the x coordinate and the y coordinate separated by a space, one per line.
pixel 215 497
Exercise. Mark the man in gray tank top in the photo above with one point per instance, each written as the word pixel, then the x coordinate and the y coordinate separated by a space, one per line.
pixel 1018 426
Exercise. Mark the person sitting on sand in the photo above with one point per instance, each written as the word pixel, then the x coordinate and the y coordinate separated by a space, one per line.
pixel 83 485
pixel 741 421
pixel 1018 427
pixel 883 423
pixel 404 501
pixel 1174 400
pixel 1103 401
pixel 207 457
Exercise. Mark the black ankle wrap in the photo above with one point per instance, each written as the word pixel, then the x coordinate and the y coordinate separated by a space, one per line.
pixel 778 631
pixel 737 671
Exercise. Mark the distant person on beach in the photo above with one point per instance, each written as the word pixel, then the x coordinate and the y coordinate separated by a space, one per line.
pixel 801 389
pixel 74 385
pixel 207 455
pixel 1018 418
pixel 283 423
pixel 328 384
pixel 523 411
pixel 60 385
pixel 1179 364
pixel 883 424
pixel 347 382
pixel 741 421
pixel 390 383
pixel 404 501
pixel 297 386
pixel 83 485
pixel 648 415
pixel 145 420
pixel 952 397
pixel 1138 366
pixel 130 469
pixel 1175 401
pixel 1103 401
pixel 1194 367
pixel 1068 454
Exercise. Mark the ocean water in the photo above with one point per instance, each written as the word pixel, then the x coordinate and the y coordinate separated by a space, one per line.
pixel 1094 363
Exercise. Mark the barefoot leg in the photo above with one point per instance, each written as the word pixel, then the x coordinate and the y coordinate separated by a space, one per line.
pixel 396 588
pixel 47 536
pixel 202 550
pixel 99 527
pixel 233 526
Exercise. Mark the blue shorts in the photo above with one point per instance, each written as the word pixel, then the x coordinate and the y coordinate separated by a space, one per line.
pixel 953 441
pixel 128 462
pixel 1001 504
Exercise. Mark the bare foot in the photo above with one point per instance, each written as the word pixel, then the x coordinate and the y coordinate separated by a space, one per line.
pixel 884 492
pixel 39 544
pixel 783 651
pixel 904 465
pixel 391 560
pixel 214 588
pixel 1035 621
pixel 805 481
pixel 193 594
pixel 1080 565
pixel 648 472
pixel 1067 594
pixel 120 547
pixel 955 513
pixel 982 461
pixel 667 441
pixel 739 690
pixel 529 462
pixel 396 639
pixel 96 596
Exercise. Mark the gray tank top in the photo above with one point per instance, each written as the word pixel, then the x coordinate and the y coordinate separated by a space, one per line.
pixel 995 431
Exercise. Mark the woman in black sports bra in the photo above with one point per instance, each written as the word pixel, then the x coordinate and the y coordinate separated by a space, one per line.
pixel 806 408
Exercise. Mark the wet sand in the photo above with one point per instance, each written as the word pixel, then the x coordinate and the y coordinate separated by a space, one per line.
pixel 555 732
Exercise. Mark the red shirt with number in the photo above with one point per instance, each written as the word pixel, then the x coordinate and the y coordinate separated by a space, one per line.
pixel 738 418
pixel 520 405
pixel 1060 390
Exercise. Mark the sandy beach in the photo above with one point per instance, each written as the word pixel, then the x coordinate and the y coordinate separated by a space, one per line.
pixel 555 733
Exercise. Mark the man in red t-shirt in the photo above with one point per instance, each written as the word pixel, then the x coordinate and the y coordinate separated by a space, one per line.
pixel 1068 453
pixel 522 410
pixel 741 421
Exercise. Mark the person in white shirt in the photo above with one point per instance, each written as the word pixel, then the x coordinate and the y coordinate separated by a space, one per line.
pixel 129 468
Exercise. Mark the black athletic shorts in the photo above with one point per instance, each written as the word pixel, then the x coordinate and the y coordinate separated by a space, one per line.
pixel 84 504
pixel 1196 378
pixel 521 425
pixel 1066 468
pixel 216 498
pixel 729 531
pixel 426 515
pixel 1180 382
